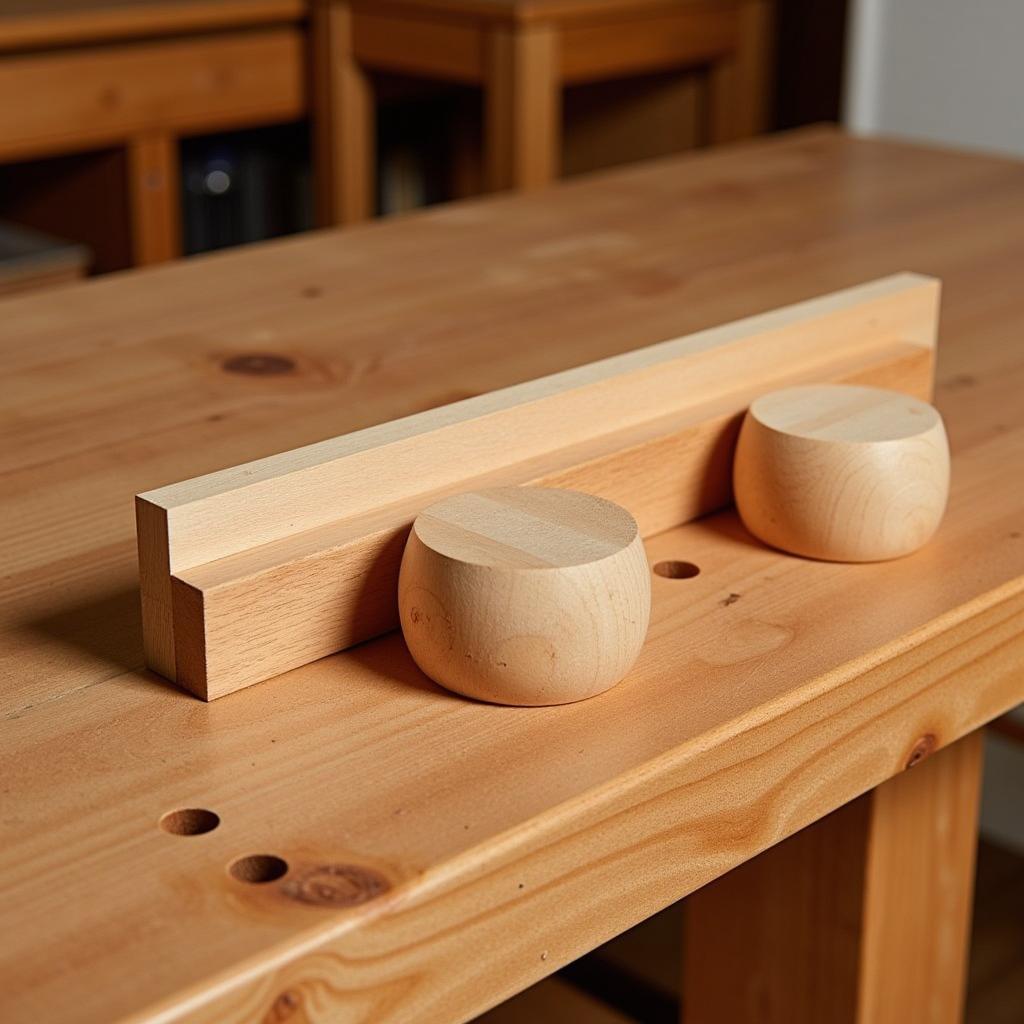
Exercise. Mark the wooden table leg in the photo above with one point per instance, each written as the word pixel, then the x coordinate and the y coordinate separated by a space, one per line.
pixel 344 142
pixel 739 86
pixel 861 918
pixel 523 108
pixel 154 185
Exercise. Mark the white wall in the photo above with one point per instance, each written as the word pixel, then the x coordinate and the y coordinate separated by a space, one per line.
pixel 946 70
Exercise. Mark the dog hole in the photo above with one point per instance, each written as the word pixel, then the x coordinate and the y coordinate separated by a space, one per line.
pixel 674 570
pixel 258 868
pixel 189 821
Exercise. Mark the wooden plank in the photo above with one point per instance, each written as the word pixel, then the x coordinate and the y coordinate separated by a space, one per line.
pixel 523 108
pixel 344 136
pixel 38 24
pixel 662 449
pixel 82 98
pixel 121 386
pixel 419 46
pixel 689 35
pixel 154 188
pixel 861 917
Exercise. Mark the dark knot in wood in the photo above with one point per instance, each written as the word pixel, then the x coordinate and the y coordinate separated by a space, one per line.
pixel 284 1007
pixel 336 885
pixel 259 364
pixel 921 749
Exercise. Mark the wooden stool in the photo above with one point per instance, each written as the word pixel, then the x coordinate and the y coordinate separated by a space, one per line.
pixel 522 53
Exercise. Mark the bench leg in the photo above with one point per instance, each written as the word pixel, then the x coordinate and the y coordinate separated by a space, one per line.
pixel 861 918
pixel 154 186
pixel 344 144
pixel 739 86
pixel 522 117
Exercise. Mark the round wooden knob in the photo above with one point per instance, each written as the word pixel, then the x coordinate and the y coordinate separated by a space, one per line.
pixel 843 473
pixel 525 595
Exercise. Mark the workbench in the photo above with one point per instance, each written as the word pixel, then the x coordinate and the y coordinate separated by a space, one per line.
pixel 797 750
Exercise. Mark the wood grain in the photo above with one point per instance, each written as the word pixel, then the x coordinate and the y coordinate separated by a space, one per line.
pixel 861 917
pixel 830 675
pixel 276 563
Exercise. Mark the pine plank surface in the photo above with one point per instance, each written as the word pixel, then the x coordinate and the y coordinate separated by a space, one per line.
pixel 446 854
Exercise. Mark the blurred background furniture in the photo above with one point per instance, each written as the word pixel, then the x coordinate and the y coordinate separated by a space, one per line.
pixel 523 54
pixel 108 87
pixel 150 129
pixel 30 260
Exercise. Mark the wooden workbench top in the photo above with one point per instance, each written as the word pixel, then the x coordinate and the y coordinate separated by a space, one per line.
pixel 443 854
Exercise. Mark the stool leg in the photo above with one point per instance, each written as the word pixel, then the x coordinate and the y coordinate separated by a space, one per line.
pixel 154 180
pixel 861 918
pixel 344 144
pixel 523 108
pixel 739 86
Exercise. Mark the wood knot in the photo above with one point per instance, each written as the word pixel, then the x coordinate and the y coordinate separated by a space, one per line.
pixel 259 364
pixel 336 885
pixel 284 1007
pixel 922 748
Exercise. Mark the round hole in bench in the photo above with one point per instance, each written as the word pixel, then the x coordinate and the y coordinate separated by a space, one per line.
pixel 258 868
pixel 675 570
pixel 189 821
